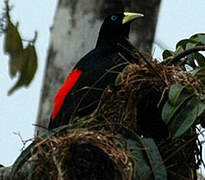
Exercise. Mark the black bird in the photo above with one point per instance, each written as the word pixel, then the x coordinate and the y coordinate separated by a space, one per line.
pixel 81 92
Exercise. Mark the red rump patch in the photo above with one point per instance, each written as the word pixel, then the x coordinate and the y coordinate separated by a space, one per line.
pixel 64 90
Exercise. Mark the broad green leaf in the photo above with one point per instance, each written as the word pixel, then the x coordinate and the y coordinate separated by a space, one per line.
pixel 186 117
pixel 201 108
pixel 200 59
pixel 168 112
pixel 178 95
pixel 191 44
pixel 140 163
pixel 22 61
pixel 167 53
pixel 179 50
pixel 13 42
pixel 182 43
pixel 200 38
pixel 191 60
pixel 200 73
pixel 202 79
pixel 31 63
pixel 155 160
pixel 174 93
pixel 14 47
pixel 28 68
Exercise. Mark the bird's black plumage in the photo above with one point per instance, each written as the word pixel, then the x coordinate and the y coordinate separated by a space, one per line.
pixel 99 68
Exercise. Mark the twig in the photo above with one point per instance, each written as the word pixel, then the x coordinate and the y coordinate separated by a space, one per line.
pixel 40 126
pixel 182 147
pixel 133 54
pixel 24 142
pixel 151 67
pixel 58 167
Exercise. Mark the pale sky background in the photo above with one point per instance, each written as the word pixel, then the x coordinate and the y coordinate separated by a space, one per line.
pixel 178 19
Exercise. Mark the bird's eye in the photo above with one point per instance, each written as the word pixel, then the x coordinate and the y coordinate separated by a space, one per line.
pixel 113 18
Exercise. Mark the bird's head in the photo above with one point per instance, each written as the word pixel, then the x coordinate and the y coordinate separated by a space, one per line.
pixel 117 26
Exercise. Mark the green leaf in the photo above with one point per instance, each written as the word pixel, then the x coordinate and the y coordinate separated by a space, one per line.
pixel 14 47
pixel 174 94
pixel 155 160
pixel 191 60
pixel 200 38
pixel 167 53
pixel 178 95
pixel 28 69
pixel 200 59
pixel 22 61
pixel 168 112
pixel 140 163
pixel 182 43
pixel 191 44
pixel 148 163
pixel 31 63
pixel 200 74
pixel 186 117
pixel 179 50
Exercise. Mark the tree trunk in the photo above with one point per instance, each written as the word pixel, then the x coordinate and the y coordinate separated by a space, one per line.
pixel 74 33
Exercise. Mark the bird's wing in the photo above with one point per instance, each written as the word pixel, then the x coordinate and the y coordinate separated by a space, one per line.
pixel 64 90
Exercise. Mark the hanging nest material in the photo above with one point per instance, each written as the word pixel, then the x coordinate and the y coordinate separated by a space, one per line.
pixel 98 146
pixel 82 154
pixel 140 94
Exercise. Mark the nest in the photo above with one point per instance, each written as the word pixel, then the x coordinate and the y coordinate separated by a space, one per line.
pixel 140 93
pixel 82 154
pixel 95 146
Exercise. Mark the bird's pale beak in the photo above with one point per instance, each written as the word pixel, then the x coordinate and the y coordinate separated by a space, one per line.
pixel 130 16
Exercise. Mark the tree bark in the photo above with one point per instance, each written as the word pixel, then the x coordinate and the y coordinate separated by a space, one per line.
pixel 74 33
pixel 22 174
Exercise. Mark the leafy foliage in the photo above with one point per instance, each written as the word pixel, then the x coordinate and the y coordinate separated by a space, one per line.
pixel 22 61
pixel 192 59
pixel 185 104
pixel 182 109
